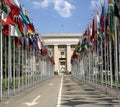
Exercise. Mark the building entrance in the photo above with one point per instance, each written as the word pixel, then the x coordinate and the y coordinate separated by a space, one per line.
pixel 62 65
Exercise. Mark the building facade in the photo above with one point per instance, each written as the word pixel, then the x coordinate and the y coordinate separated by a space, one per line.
pixel 61 47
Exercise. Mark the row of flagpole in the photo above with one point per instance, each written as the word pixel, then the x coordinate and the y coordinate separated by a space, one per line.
pixel 34 70
pixel 20 68
pixel 102 64
pixel 17 79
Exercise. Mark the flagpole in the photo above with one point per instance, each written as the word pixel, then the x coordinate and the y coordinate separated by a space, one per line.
pixel 110 54
pixel 18 66
pixel 1 69
pixel 116 57
pixel 105 50
pixel 5 64
pixel 22 66
pixel 26 68
pixel 110 51
pixel 14 64
pixel 9 62
pixel 102 63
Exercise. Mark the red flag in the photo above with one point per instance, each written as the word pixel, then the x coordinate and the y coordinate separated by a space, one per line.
pixel 30 28
pixel 18 41
pixel 14 11
pixel 20 25
pixel 5 30
pixel 102 20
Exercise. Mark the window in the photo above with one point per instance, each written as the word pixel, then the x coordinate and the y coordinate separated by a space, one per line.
pixel 50 46
pixel 62 63
pixel 62 53
pixel 62 46
pixel 73 46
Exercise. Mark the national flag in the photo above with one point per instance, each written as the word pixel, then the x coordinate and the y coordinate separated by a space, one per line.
pixel 14 31
pixel 98 36
pixel 85 33
pixel 102 19
pixel 94 36
pixel 5 30
pixel 98 21
pixel 116 10
pixel 18 41
pixel 44 49
pixel 32 41
pixel 88 30
pixel 26 15
pixel 6 20
pixel 23 17
pixel 39 45
pixel 20 25
pixel 93 30
pixel 4 7
pixel 111 17
pixel 110 1
pixel 24 43
pixel 30 28
pixel 14 11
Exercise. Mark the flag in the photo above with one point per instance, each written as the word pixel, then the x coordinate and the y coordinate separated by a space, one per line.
pixel 32 42
pixel 24 43
pixel 93 30
pixel 5 30
pixel 39 45
pixel 98 21
pixel 102 19
pixel 14 11
pixel 18 41
pixel 98 36
pixel 14 31
pixel 20 25
pixel 88 30
pixel 116 11
pixel 26 15
pixel 4 7
pixel 23 17
pixel 30 28
pixel 111 17
pixel 6 19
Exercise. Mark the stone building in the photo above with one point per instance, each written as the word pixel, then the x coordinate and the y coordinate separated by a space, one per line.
pixel 61 46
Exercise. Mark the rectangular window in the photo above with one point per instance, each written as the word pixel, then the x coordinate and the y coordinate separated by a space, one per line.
pixel 50 46
pixel 62 53
pixel 73 46
pixel 61 46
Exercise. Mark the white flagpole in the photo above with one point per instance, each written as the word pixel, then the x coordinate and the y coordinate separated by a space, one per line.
pixel 26 68
pixel 111 78
pixel 5 64
pixel 116 58
pixel 18 67
pixel 102 64
pixel 1 70
pixel 22 68
pixel 14 64
pixel 9 62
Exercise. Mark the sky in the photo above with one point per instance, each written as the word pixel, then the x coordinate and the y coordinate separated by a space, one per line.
pixel 61 16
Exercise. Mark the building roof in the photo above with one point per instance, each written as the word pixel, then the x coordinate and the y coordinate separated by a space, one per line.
pixel 60 39
pixel 62 35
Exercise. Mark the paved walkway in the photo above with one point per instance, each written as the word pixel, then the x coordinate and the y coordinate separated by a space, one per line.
pixel 78 94
pixel 62 91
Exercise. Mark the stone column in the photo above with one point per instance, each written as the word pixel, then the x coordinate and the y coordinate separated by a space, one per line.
pixel 56 57
pixel 69 53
